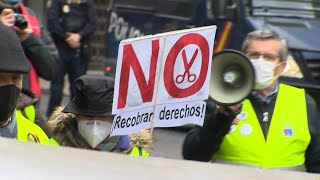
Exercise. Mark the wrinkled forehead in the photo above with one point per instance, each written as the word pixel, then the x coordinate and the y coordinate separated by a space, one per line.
pixel 269 46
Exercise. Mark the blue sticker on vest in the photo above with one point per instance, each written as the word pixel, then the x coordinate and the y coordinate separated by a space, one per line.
pixel 287 131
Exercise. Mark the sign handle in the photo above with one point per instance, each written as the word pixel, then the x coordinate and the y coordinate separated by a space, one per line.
pixel 158 82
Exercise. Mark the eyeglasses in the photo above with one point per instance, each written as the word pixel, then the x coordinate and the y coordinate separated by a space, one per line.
pixel 256 55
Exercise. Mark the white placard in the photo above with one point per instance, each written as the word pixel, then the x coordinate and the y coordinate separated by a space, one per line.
pixel 178 114
pixel 186 67
pixel 132 121
pixel 167 70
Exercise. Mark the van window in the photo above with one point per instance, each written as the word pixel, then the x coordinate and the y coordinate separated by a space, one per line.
pixel 287 8
pixel 179 9
pixel 176 8
pixel 135 4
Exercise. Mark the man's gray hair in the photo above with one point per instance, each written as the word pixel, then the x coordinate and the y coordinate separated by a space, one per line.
pixel 266 34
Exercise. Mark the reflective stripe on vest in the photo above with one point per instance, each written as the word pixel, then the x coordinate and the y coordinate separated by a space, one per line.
pixel 139 152
pixel 288 136
pixel 28 112
pixel 30 132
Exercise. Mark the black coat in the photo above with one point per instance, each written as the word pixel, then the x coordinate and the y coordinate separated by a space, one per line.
pixel 41 52
pixel 77 18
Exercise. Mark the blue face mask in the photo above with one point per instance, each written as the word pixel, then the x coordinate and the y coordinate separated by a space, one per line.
pixel 12 2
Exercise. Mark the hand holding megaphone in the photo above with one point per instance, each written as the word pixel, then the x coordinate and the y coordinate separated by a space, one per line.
pixel 232 78
pixel 218 116
pixel 231 110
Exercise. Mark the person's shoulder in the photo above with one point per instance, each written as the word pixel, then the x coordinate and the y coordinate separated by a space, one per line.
pixel 292 88
pixel 92 2
pixel 26 98
pixel 56 121
pixel 142 138
pixel 51 3
pixel 310 100
pixel 30 11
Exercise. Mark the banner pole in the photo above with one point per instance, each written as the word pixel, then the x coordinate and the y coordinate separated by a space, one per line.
pixel 158 82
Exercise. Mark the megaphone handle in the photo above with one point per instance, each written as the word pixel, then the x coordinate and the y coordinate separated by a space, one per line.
pixel 232 110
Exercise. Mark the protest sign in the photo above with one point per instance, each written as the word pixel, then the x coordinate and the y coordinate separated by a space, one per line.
pixel 166 73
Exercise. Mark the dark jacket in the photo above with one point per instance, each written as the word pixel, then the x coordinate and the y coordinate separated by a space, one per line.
pixel 27 98
pixel 42 53
pixel 202 142
pixel 64 17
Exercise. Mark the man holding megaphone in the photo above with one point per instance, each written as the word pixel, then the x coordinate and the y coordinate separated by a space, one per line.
pixel 275 126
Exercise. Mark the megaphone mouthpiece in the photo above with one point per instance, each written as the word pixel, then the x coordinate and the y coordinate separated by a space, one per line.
pixel 232 77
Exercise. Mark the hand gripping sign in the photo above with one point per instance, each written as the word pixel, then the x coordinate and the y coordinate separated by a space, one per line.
pixel 162 80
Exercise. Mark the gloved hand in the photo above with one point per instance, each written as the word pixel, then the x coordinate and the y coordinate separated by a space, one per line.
pixel 220 118
pixel 231 111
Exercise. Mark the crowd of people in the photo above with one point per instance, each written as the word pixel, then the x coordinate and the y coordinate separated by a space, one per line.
pixel 30 51
pixel 276 126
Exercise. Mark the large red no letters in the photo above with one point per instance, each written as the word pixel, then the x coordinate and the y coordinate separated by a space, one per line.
pixel 146 86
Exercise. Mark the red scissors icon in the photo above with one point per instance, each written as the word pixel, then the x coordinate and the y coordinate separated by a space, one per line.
pixel 191 77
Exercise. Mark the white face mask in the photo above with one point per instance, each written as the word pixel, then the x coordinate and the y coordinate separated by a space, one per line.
pixel 94 131
pixel 264 72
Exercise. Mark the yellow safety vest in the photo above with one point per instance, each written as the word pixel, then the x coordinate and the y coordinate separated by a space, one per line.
pixel 30 132
pixel 53 142
pixel 287 139
pixel 139 152
pixel 29 112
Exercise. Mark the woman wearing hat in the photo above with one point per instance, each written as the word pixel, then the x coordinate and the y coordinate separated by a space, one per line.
pixel 86 121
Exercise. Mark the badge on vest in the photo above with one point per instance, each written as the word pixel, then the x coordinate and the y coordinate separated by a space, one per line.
pixel 33 138
pixel 242 116
pixel 246 129
pixel 232 129
pixel 65 9
pixel 287 131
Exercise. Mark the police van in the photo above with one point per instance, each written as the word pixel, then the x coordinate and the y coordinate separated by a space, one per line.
pixel 298 21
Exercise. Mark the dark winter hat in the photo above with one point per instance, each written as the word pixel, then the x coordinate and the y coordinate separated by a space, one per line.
pixel 9 3
pixel 12 57
pixel 94 96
